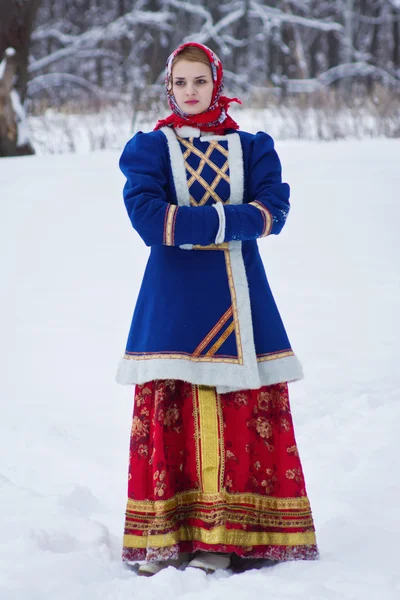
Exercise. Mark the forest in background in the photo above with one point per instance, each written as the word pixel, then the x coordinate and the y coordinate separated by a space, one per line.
pixel 88 56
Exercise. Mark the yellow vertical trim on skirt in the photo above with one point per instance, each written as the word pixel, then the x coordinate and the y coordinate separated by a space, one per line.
pixel 221 444
pixel 196 432
pixel 209 438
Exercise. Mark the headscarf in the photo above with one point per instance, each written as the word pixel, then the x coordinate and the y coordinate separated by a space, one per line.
pixel 215 118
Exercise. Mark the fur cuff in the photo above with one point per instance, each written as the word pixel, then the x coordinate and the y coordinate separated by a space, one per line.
pixel 219 207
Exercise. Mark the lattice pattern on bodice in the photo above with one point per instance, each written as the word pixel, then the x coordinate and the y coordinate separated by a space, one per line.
pixel 207 170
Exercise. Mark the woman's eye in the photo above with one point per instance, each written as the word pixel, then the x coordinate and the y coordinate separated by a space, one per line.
pixel 201 81
pixel 179 83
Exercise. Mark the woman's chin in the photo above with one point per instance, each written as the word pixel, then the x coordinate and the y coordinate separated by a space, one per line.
pixel 192 110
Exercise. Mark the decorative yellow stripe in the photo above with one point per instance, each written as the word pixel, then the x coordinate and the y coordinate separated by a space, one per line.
pixel 221 444
pixel 196 438
pixel 177 356
pixel 196 173
pixel 143 523
pixel 209 438
pixel 204 157
pixel 223 246
pixel 220 535
pixel 221 340
pixel 169 227
pixel 234 304
pixel 213 332
pixel 275 356
pixel 220 148
pixel 209 188
pixel 214 145
pixel 267 217
pixel 214 184
pixel 223 498
pixel 187 356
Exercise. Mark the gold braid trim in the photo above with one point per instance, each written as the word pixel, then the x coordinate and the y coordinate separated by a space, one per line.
pixel 222 498
pixel 210 459
pixel 221 339
pixel 138 522
pixel 232 290
pixel 219 535
pixel 225 317
pixel 170 225
pixel 223 246
pixel 266 215
pixel 221 443
pixel 274 355
pixel 196 436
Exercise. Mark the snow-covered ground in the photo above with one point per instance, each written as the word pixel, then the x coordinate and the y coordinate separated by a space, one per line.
pixel 70 270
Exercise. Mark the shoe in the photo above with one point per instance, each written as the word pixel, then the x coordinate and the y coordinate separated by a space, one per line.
pixel 209 562
pixel 149 569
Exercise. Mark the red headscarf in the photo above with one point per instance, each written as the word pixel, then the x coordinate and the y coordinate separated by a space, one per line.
pixel 215 118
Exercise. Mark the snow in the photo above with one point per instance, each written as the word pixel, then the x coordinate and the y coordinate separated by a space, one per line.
pixel 276 15
pixel 9 53
pixel 55 132
pixel 71 267
pixel 23 130
pixel 2 68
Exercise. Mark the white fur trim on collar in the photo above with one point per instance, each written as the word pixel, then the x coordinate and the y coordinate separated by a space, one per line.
pixel 185 131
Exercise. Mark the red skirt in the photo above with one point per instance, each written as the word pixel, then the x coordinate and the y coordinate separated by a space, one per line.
pixel 215 472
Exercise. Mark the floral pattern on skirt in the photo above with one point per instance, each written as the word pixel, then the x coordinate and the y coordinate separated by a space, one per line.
pixel 215 472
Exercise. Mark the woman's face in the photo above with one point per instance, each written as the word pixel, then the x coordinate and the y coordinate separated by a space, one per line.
pixel 192 86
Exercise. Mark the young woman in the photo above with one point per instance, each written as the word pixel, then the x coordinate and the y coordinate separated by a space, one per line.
pixel 214 468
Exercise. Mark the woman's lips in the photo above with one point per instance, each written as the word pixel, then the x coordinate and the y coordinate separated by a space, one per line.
pixel 191 102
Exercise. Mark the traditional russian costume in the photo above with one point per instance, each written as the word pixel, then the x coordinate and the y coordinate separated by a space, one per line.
pixel 213 462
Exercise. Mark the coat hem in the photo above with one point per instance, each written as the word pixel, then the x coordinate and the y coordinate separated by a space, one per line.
pixel 225 377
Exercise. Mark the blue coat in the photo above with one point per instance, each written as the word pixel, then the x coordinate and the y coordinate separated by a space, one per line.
pixel 205 312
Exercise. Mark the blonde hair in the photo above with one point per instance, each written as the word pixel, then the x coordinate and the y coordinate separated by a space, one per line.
pixel 192 54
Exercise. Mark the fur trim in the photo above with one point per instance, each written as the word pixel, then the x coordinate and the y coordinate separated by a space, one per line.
pixel 220 237
pixel 178 171
pixel 211 137
pixel 244 314
pixel 280 370
pixel 225 377
pixel 236 168
pixel 178 167
pixel 186 131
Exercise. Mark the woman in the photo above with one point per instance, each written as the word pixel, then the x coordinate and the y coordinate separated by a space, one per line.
pixel 214 468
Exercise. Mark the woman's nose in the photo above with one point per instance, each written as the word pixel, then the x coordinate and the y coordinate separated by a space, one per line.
pixel 190 89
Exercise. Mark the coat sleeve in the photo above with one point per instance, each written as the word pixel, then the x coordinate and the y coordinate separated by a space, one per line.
pixel 154 217
pixel 268 207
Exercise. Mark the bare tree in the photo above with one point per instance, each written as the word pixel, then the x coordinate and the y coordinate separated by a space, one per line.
pixel 17 19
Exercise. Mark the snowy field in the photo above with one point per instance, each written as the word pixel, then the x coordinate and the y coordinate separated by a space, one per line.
pixel 70 270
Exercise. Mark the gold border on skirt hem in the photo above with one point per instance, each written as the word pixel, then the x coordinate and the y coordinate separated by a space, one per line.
pixel 240 500
pixel 220 535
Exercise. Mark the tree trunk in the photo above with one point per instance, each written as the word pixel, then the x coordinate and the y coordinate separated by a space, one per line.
pixel 8 123
pixel 16 19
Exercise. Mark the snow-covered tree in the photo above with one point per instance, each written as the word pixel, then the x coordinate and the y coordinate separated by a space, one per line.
pixel 91 52
pixel 17 19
